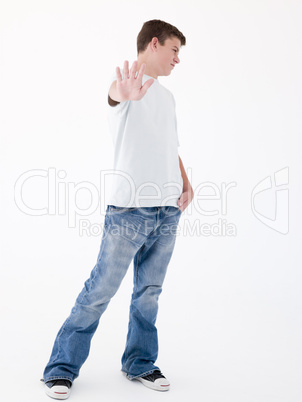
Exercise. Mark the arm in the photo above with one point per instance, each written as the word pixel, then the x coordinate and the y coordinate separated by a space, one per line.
pixel 187 191
pixel 112 95
pixel 128 87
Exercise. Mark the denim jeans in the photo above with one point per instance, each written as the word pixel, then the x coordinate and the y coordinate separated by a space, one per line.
pixel 147 235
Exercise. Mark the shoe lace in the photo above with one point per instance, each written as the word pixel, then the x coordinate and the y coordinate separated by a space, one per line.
pixel 65 383
pixel 154 376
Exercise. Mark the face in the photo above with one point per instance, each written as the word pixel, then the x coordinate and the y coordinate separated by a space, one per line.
pixel 167 55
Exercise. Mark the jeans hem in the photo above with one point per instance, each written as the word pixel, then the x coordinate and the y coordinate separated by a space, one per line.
pixel 133 377
pixel 53 378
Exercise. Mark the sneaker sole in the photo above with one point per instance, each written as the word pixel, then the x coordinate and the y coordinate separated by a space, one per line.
pixel 60 392
pixel 149 384
pixel 154 386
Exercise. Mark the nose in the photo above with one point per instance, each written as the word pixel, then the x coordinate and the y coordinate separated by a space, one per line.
pixel 176 59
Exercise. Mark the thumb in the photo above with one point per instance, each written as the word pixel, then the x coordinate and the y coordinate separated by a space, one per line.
pixel 147 85
pixel 180 200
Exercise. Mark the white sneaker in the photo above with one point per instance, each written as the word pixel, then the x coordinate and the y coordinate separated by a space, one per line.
pixel 58 389
pixel 156 381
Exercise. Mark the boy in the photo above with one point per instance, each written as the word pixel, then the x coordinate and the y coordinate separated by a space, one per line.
pixel 149 192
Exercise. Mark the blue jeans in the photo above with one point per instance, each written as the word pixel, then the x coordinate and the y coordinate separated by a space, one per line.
pixel 147 235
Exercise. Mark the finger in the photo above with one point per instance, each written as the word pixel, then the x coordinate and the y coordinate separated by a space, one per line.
pixel 133 69
pixel 126 69
pixel 141 72
pixel 183 206
pixel 147 85
pixel 118 74
pixel 181 200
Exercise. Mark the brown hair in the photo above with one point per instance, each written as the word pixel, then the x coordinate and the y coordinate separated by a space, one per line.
pixel 159 29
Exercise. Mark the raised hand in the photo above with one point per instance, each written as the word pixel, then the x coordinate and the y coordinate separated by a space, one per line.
pixel 129 87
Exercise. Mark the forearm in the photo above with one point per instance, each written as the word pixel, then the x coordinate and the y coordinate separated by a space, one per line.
pixel 113 98
pixel 186 184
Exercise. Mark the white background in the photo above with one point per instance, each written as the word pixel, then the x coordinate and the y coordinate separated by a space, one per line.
pixel 230 314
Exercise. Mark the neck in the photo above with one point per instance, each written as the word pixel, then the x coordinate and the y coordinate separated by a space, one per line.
pixel 148 70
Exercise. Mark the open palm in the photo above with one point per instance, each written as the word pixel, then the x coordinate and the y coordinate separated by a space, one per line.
pixel 129 87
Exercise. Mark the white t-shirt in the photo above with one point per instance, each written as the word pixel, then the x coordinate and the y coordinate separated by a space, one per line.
pixel 145 139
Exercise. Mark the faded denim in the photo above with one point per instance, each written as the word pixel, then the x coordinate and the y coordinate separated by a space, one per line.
pixel 147 236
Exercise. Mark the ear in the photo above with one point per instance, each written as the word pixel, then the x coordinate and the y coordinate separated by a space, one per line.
pixel 154 44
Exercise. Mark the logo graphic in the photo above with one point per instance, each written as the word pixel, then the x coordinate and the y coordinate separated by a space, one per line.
pixel 41 192
pixel 271 195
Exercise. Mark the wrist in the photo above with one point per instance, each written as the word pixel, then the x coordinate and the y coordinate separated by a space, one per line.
pixel 188 189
